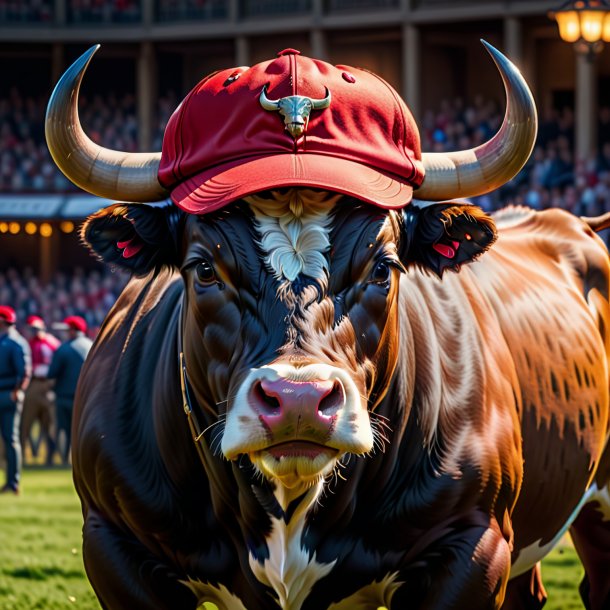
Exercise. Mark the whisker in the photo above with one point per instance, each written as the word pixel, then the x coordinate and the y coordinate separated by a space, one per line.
pixel 216 423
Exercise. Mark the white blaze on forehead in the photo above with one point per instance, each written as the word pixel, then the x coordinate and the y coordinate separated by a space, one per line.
pixel 294 229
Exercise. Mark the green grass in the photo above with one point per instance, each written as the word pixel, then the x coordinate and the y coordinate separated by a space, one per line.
pixel 561 574
pixel 41 564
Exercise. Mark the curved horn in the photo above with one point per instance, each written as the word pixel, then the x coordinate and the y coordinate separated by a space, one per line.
pixel 321 104
pixel 469 173
pixel 266 103
pixel 100 171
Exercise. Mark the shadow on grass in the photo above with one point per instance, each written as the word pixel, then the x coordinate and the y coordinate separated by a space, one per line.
pixel 42 573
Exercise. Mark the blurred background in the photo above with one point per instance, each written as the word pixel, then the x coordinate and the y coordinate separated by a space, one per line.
pixel 154 51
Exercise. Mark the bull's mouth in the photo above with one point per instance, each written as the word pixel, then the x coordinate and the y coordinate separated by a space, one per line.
pixel 303 449
pixel 295 462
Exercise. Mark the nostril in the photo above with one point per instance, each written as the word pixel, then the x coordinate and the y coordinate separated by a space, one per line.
pixel 333 401
pixel 269 404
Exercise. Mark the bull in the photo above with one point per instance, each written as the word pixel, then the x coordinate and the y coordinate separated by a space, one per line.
pixel 297 402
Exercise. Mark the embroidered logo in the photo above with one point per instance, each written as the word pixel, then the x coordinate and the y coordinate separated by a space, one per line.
pixel 295 109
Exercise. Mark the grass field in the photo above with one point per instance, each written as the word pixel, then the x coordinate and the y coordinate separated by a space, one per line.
pixel 41 563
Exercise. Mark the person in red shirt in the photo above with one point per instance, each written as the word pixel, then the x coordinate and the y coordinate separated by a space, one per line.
pixel 38 404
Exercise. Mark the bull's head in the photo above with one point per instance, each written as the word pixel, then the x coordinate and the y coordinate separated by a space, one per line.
pixel 295 109
pixel 291 316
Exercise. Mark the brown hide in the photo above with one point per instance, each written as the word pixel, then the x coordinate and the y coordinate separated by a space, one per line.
pixel 495 387
pixel 547 281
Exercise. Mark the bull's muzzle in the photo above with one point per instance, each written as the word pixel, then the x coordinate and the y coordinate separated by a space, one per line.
pixel 294 422
pixel 296 409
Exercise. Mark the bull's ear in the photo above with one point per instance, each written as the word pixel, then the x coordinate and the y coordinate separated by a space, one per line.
pixel 445 235
pixel 136 237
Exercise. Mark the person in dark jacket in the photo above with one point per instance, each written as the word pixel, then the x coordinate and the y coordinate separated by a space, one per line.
pixel 65 370
pixel 15 373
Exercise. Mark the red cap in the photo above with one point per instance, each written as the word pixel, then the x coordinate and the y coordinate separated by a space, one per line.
pixel 221 144
pixel 75 322
pixel 36 322
pixel 8 314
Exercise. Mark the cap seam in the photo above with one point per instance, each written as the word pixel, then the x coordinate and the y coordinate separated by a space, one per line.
pixel 179 153
pixel 384 172
pixel 398 101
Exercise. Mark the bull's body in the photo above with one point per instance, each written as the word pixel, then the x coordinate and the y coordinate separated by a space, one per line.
pixel 501 378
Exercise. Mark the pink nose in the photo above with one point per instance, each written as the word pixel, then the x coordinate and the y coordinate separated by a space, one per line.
pixel 281 400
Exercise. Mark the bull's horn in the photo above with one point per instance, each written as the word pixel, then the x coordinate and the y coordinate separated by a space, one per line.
pixel 266 103
pixel 98 170
pixel 321 104
pixel 468 173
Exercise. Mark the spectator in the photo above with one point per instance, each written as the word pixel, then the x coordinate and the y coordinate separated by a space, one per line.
pixel 65 370
pixel 87 295
pixel 15 371
pixel 37 405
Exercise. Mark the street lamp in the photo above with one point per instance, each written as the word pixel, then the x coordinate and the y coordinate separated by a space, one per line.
pixel 585 23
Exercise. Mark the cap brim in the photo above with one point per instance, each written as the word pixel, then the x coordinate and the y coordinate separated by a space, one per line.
pixel 215 188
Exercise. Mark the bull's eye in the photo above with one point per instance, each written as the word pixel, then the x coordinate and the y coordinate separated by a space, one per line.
pixel 381 273
pixel 205 273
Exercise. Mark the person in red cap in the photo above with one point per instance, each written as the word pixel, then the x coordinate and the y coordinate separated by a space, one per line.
pixel 38 405
pixel 65 369
pixel 15 372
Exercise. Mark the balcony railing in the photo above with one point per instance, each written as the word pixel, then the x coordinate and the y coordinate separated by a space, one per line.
pixel 109 12
pixel 27 13
pixel 350 5
pixel 185 10
pixel 269 8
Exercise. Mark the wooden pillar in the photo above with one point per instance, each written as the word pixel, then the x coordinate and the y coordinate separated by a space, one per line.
pixel 513 40
pixel 233 10
pixel 317 36
pixel 49 255
pixel 318 44
pixel 146 95
pixel 242 51
pixel 586 107
pixel 60 12
pixel 411 68
pixel 148 12
pixel 57 62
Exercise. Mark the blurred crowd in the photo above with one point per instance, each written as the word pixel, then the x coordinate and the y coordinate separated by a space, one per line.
pixel 551 178
pixel 178 10
pixel 128 11
pixel 103 11
pixel 19 11
pixel 110 120
pixel 88 295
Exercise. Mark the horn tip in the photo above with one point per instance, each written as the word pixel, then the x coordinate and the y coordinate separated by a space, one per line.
pixel 90 52
pixel 491 49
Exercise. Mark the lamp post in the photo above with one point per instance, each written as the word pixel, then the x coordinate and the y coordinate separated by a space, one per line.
pixel 586 24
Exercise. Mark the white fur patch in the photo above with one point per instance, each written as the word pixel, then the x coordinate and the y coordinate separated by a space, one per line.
pixel 210 597
pixel 376 596
pixel 531 555
pixel 290 570
pixel 294 231
pixel 603 497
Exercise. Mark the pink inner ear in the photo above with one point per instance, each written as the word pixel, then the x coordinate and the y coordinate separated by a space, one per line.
pixel 445 250
pixel 129 248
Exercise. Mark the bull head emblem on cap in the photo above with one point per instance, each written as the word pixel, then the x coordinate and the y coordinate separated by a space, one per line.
pixel 295 109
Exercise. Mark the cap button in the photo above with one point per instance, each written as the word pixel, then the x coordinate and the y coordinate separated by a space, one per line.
pixel 288 52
